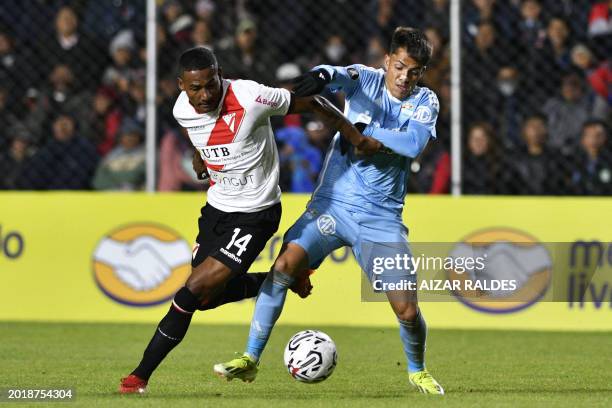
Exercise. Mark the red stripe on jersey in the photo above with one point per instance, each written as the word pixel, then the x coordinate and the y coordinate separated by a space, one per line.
pixel 229 120
pixel 227 125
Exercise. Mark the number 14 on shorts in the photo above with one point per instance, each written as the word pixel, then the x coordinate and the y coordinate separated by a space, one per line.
pixel 241 243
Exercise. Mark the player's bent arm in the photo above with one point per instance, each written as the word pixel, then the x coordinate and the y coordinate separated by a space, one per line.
pixel 197 163
pixel 409 143
pixel 333 118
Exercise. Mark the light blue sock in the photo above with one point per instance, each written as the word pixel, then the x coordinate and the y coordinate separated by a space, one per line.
pixel 413 335
pixel 268 308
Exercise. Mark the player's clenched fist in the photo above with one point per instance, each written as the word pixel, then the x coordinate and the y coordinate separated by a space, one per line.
pixel 311 83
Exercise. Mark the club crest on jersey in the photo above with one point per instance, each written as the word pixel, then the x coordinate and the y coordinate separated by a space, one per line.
pixel 326 224
pixel 265 101
pixel 230 121
pixel 422 114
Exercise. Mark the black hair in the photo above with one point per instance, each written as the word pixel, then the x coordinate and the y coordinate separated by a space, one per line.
pixel 537 115
pixel 197 58
pixel 595 122
pixel 414 41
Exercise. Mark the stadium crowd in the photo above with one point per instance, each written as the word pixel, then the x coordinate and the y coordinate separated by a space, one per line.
pixel 536 86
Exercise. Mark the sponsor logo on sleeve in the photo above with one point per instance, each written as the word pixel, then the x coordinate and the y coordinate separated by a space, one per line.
pixel 265 101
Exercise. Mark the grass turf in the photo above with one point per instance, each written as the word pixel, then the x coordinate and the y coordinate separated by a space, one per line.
pixel 477 368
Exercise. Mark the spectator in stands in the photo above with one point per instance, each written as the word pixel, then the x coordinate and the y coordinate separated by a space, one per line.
pixel 205 10
pixel 437 16
pixel 304 159
pixel 600 80
pixel 481 162
pixel 13 71
pixel 124 167
pixel 244 59
pixel 201 36
pixel 66 162
pixel 566 113
pixel 335 51
pixel 100 122
pixel 532 32
pixel 175 157
pixel 575 12
pixel 319 135
pixel 529 42
pixel 64 94
pixel 103 19
pixel 70 47
pixel 582 59
pixel 430 172
pixel 375 54
pixel 600 27
pixel 167 53
pixel 593 172
pixel 33 113
pixel 133 103
pixel 167 94
pixel 7 119
pixel 177 21
pixel 120 72
pixel 13 161
pixel 554 57
pixel 480 67
pixel 388 14
pixel 439 64
pixel 535 169
pixel 512 103
pixel 477 12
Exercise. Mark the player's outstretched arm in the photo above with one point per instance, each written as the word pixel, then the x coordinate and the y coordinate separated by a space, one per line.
pixel 333 118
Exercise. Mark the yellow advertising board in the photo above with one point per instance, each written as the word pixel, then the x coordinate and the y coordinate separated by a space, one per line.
pixel 58 259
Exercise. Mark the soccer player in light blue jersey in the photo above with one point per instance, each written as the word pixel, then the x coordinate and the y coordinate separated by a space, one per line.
pixel 359 199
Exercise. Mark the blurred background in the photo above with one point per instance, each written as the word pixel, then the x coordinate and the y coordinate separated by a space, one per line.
pixel 525 92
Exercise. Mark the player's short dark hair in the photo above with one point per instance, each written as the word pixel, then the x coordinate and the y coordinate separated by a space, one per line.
pixel 414 41
pixel 197 58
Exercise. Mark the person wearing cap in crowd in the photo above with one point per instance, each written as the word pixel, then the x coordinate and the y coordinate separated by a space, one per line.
pixel 121 70
pixel 124 167
pixel 244 59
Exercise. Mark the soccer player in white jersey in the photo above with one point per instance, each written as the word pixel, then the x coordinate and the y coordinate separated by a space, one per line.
pixel 359 200
pixel 228 124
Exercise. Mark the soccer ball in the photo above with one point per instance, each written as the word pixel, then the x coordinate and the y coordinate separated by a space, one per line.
pixel 310 356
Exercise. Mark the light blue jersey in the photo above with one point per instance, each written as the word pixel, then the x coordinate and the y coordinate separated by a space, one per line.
pixel 378 182
pixel 359 199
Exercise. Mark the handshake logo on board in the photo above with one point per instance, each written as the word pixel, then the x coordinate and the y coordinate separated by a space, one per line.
pixel 141 264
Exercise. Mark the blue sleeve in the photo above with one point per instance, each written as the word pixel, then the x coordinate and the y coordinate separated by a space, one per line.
pixel 421 126
pixel 343 78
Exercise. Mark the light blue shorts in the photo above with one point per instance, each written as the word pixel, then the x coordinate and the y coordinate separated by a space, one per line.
pixel 379 242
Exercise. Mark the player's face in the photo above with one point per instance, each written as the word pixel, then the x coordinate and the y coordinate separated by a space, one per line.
pixel 403 73
pixel 203 88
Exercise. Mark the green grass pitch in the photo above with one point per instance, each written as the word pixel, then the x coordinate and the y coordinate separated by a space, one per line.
pixel 477 368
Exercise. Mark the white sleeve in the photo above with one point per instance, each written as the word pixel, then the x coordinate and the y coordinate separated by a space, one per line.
pixel 271 101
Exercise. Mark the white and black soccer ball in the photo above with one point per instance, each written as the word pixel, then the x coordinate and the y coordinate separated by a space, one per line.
pixel 311 356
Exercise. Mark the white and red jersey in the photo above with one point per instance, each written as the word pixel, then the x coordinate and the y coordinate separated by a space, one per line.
pixel 237 144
